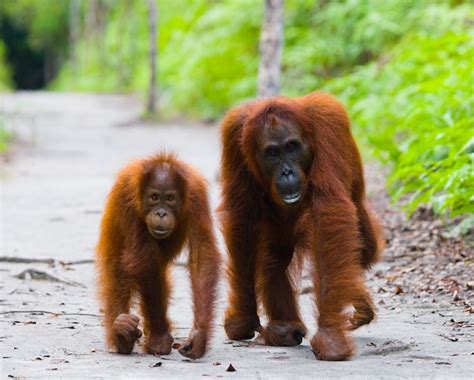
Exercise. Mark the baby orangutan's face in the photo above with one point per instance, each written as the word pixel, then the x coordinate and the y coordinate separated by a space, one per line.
pixel 162 202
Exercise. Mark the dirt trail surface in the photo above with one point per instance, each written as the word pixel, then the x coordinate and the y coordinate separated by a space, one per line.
pixel 53 189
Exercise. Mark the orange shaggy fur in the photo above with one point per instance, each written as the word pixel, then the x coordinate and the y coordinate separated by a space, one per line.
pixel 334 226
pixel 130 262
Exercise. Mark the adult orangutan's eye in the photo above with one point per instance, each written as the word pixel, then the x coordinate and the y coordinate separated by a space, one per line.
pixel 292 146
pixel 271 151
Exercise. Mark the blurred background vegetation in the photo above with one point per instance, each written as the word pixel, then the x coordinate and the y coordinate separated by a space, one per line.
pixel 404 68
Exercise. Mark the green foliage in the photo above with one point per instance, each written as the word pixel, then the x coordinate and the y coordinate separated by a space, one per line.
pixel 208 53
pixel 5 136
pixel 207 60
pixel 215 62
pixel 46 21
pixel 415 108
pixel 112 62
pixel 403 68
pixel 323 41
pixel 5 81
pixel 5 85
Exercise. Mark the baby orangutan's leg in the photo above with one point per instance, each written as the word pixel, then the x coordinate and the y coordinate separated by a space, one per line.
pixel 154 304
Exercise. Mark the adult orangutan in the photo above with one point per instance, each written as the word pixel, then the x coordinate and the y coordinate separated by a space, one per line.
pixel 156 206
pixel 292 183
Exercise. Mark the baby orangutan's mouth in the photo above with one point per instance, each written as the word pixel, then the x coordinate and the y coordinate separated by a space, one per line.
pixel 161 233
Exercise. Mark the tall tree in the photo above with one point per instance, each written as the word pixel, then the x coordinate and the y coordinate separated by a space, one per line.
pixel 152 23
pixel 271 41
pixel 74 30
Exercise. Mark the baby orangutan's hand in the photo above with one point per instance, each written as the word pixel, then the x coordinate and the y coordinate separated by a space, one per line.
pixel 126 332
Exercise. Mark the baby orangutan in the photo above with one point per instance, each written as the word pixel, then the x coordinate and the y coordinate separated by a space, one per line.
pixel 156 207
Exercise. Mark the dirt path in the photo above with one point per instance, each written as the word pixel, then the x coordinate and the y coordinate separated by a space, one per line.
pixel 52 196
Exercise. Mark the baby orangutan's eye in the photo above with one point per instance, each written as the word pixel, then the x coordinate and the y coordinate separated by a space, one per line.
pixel 154 197
pixel 170 198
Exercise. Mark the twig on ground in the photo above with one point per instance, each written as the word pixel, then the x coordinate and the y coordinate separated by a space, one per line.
pixel 48 312
pixel 23 260
pixel 77 262
pixel 35 274
pixel 27 260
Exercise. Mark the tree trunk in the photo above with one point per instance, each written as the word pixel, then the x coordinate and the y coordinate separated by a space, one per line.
pixel 91 21
pixel 152 22
pixel 271 41
pixel 74 30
